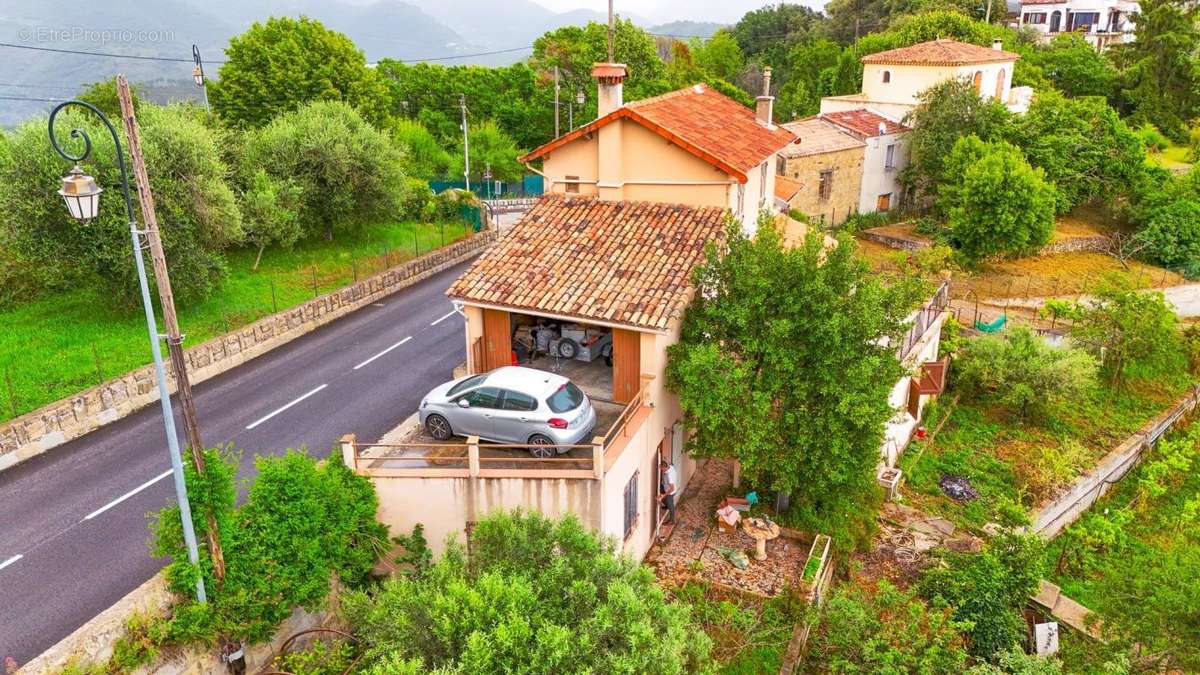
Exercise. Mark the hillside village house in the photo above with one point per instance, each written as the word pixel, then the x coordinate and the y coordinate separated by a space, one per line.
pixel 885 152
pixel 607 257
pixel 827 163
pixel 1101 22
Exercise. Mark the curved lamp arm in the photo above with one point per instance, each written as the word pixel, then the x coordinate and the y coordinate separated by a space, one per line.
pixel 77 133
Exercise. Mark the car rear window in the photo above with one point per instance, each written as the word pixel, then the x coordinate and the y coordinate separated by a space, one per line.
pixel 568 397
pixel 466 384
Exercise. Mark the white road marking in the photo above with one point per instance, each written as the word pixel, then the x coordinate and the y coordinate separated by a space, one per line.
pixel 294 402
pixel 10 561
pixel 452 313
pixel 127 495
pixel 382 353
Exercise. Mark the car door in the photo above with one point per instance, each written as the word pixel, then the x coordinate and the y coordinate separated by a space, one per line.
pixel 476 418
pixel 516 418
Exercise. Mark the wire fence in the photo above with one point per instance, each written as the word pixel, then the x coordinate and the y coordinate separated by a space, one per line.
pixel 1062 284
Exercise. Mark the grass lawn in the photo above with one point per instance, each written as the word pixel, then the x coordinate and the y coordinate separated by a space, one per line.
pixel 1015 464
pixel 749 637
pixel 1175 158
pixel 60 344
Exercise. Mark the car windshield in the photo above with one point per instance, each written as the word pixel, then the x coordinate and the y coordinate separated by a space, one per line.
pixel 466 384
pixel 568 397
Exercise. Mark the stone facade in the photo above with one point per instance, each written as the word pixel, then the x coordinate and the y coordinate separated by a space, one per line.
pixel 36 432
pixel 846 167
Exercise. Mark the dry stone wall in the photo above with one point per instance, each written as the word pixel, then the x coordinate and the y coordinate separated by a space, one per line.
pixel 52 425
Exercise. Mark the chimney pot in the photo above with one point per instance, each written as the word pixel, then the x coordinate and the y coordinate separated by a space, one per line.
pixel 609 79
pixel 766 81
pixel 998 44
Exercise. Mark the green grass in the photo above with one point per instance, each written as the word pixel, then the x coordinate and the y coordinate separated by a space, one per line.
pixel 46 347
pixel 1016 464
pixel 1175 158
pixel 749 637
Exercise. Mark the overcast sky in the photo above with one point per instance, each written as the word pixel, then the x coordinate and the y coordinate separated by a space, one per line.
pixel 722 11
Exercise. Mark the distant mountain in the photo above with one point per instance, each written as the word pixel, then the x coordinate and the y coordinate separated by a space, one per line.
pixel 687 28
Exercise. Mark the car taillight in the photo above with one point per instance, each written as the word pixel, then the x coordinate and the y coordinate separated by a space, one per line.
pixel 557 422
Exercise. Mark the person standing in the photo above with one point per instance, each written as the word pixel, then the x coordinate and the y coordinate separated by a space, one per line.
pixel 668 484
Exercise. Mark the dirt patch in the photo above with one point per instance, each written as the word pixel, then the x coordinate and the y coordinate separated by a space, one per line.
pixel 1058 274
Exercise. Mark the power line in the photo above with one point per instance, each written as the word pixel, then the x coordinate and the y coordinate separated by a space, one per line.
pixel 87 53
pixel 465 56
pixel 30 98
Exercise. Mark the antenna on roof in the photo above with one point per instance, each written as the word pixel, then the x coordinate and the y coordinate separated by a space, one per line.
pixel 611 59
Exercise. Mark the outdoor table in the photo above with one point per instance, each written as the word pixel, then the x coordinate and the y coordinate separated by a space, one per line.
pixel 760 530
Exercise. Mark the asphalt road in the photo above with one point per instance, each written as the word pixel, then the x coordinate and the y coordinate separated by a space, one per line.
pixel 73 521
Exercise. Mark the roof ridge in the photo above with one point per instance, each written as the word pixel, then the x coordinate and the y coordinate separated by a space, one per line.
pixel 670 94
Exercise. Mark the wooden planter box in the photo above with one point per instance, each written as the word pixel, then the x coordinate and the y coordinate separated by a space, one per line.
pixel 815 573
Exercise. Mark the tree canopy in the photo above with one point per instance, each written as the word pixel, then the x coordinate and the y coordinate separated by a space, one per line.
pixel 1162 81
pixel 574 49
pixel 492 149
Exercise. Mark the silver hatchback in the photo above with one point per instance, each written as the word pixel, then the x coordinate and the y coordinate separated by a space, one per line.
pixel 514 405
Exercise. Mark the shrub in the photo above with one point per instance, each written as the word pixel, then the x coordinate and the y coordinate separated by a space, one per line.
pixel 417 199
pixel 1152 138
pixel 1172 236
pixel 1023 372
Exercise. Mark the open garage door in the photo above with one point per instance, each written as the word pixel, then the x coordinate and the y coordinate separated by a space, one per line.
pixel 627 364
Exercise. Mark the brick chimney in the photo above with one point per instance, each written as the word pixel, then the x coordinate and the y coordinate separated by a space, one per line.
pixel 764 111
pixel 609 79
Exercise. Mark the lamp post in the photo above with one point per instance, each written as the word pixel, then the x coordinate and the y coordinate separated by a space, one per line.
pixel 579 99
pixel 487 180
pixel 198 76
pixel 82 197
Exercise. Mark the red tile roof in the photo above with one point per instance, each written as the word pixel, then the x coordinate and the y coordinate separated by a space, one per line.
pixel 620 262
pixel 941 53
pixel 786 188
pixel 698 119
pixel 864 123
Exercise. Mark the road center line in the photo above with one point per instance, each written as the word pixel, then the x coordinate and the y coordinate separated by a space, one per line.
pixel 127 495
pixel 10 561
pixel 383 352
pixel 294 402
pixel 447 316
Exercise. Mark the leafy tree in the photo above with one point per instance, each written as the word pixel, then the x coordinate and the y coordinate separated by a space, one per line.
pixel 197 211
pixel 490 147
pixel 813 71
pixel 784 364
pixel 1073 66
pixel 1084 147
pixel 348 173
pixel 766 34
pixel 424 157
pixel 103 95
pixel 301 523
pixel 719 56
pixel 995 202
pixel 1163 84
pixel 884 630
pixel 1172 235
pixel 534 595
pixel 284 63
pixel 989 589
pixel 574 49
pixel 1015 661
pixel 1134 333
pixel 1024 372
pixel 269 214
pixel 947 112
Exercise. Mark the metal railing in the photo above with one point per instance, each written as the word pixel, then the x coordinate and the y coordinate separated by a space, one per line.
pixel 469 459
pixel 923 318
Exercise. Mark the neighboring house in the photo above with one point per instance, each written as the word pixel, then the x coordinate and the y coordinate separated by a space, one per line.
pixel 885 155
pixel 1100 22
pixel 828 163
pixel 893 80
pixel 693 146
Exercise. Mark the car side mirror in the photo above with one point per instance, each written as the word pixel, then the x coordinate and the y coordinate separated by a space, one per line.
pixel 464 403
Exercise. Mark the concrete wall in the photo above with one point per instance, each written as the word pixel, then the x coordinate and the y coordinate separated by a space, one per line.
pixel 877 179
pixel 908 81
pixel 847 167
pixel 36 432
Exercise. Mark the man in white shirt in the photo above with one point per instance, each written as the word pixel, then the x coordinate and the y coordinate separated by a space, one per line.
pixel 668 482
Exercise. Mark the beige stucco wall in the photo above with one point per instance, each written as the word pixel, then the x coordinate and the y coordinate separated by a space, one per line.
pixel 908 81
pixel 877 179
pixel 847 166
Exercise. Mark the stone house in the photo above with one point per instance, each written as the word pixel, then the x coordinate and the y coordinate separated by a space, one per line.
pixel 827 162
pixel 885 153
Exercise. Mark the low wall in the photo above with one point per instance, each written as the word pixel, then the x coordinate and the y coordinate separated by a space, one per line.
pixel 1093 244
pixel 93 642
pixel 40 430
pixel 1053 515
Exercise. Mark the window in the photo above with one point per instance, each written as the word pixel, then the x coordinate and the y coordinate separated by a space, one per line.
pixel 825 184
pixel 978 81
pixel 514 400
pixel 568 397
pixel 573 184
pixel 883 202
pixel 741 203
pixel 1000 85
pixel 631 504
pixel 1084 21
pixel 762 185
pixel 887 76
pixel 473 381
pixel 1055 21
pixel 484 397
pixel 780 165
pixel 1036 18
pixel 889 162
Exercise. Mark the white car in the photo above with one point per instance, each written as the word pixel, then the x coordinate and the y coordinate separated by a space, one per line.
pixel 516 405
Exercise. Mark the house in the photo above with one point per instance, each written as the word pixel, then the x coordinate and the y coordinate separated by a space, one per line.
pixel 693 146
pixel 827 161
pixel 1101 22
pixel 885 153
pixel 893 80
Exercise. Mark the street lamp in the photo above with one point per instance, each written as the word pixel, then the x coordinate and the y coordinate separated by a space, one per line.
pixel 487 180
pixel 82 197
pixel 198 76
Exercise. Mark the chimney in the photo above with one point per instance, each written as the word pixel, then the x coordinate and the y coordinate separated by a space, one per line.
pixel 766 103
pixel 609 77
pixel 998 44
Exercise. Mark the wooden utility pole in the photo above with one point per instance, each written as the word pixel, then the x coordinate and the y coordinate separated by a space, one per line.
pixel 556 88
pixel 174 338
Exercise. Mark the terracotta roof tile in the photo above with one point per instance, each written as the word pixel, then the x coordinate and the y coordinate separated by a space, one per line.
pixel 617 261
pixel 702 121
pixel 864 123
pixel 786 188
pixel 941 53
pixel 817 136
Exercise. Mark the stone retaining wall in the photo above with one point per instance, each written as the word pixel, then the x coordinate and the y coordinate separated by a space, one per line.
pixel 40 430
pixel 901 243
pixel 1092 244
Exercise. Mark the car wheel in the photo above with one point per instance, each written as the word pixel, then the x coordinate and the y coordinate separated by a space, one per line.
pixel 541 446
pixel 568 348
pixel 438 427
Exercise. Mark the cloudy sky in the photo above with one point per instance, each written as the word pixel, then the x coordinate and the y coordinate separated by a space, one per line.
pixel 724 11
